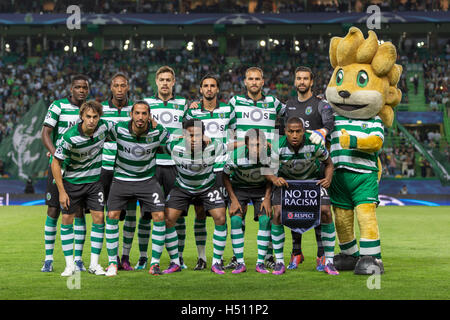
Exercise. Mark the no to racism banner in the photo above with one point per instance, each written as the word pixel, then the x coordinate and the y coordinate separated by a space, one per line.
pixel 300 205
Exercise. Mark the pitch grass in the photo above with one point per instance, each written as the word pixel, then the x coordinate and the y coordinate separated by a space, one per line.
pixel 415 247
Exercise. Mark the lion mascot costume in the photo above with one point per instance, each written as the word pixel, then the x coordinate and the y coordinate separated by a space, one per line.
pixel 362 92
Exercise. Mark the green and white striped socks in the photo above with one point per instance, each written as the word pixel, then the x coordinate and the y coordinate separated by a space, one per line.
pixel 158 237
pixel 112 239
pixel 237 238
pixel 144 229
pixel 80 237
pixel 219 241
pixel 50 237
pixel 369 247
pixel 328 235
pixel 129 228
pixel 180 227
pixel 200 237
pixel 97 233
pixel 171 241
pixel 278 242
pixel 67 237
pixel 349 248
pixel 263 238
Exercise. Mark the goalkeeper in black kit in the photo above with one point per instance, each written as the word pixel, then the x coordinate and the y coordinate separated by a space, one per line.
pixel 318 117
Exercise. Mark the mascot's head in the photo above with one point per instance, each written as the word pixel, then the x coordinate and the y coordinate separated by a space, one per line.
pixel 365 77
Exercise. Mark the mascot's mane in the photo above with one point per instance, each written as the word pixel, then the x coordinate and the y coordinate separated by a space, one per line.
pixel 353 48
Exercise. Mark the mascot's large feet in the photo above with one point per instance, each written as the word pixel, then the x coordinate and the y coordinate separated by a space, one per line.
pixel 368 265
pixel 344 262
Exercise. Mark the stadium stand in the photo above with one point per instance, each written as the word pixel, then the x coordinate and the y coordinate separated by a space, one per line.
pixel 29 74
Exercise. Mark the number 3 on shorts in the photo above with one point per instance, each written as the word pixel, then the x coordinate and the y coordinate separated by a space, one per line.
pixel 100 197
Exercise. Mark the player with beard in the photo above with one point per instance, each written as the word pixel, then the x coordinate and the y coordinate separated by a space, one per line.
pixel 61 116
pixel 218 118
pixel 134 178
pixel 318 117
pixel 116 109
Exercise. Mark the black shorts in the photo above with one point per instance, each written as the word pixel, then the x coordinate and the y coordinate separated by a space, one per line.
pixel 255 195
pixel 85 195
pixel 147 192
pixel 106 177
pixel 180 199
pixel 51 193
pixel 276 197
pixel 220 186
pixel 166 176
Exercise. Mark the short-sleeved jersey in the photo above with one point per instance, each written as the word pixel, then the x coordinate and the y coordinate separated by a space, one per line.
pixel 61 116
pixel 136 155
pixel 218 124
pixel 244 171
pixel 303 164
pixel 169 114
pixel 196 170
pixel 261 114
pixel 353 159
pixel 115 115
pixel 81 154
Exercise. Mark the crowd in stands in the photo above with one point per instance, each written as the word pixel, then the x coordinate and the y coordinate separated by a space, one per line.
pixel 222 6
pixel 23 82
pixel 436 81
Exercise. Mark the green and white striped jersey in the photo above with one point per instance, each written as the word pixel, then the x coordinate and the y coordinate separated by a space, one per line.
pixel 136 156
pixel 113 114
pixel 218 124
pixel 353 159
pixel 81 154
pixel 196 170
pixel 301 165
pixel 170 115
pixel 260 114
pixel 243 170
pixel 61 116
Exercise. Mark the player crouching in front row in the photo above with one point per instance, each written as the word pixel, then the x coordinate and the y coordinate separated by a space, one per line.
pixel 80 150
pixel 299 159
pixel 244 181
pixel 195 156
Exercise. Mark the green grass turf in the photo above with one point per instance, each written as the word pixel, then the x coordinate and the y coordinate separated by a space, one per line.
pixel 415 248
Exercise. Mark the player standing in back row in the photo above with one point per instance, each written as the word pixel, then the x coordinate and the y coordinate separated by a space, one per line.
pixel 168 110
pixel 116 109
pixel 62 114
pixel 219 119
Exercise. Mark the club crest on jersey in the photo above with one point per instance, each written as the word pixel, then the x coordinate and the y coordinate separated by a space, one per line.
pixel 221 115
pixel 364 126
pixel 101 136
pixel 176 106
pixel 308 155
pixel 265 105
pixel 308 110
